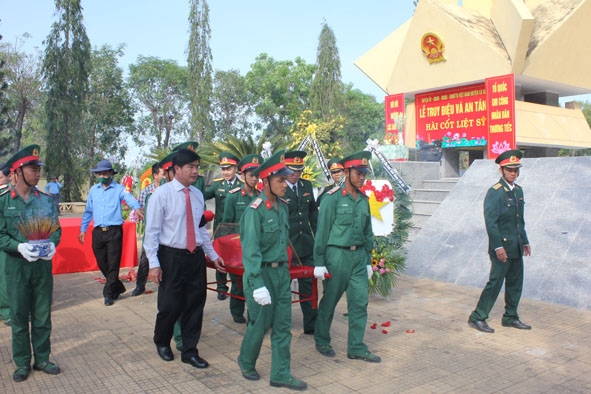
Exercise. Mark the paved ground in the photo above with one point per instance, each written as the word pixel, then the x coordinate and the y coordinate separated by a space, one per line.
pixel 428 348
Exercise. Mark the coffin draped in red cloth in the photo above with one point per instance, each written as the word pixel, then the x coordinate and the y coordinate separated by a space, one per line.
pixel 71 256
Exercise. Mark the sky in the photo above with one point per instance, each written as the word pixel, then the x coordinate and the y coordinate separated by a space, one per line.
pixel 240 30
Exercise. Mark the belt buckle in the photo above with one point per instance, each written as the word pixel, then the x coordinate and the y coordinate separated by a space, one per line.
pixel 354 247
pixel 104 229
pixel 274 265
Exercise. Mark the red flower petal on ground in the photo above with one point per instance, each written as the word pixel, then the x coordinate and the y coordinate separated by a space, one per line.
pixel 386 324
pixel 148 291
pixel 384 331
pixel 373 326
pixel 410 331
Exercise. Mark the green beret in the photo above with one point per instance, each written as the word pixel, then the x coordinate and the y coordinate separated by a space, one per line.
pixel 510 159
pixel 27 155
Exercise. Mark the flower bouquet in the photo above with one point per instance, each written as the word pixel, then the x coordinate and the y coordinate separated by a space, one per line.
pixel 387 263
pixel 38 229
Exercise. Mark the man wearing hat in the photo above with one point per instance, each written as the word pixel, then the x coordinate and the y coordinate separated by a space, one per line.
pixel 218 190
pixel 264 236
pixel 236 203
pixel 343 246
pixel 507 244
pixel 192 146
pixel 4 308
pixel 336 173
pixel 53 190
pixel 303 218
pixel 28 272
pixel 103 206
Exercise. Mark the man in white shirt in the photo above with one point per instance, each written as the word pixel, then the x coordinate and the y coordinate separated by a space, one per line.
pixel 176 245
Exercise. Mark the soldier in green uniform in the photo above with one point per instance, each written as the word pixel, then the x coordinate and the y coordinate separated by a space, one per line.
pixel 336 173
pixel 28 269
pixel 264 235
pixel 4 307
pixel 218 190
pixel 192 145
pixel 343 246
pixel 303 218
pixel 507 244
pixel 236 203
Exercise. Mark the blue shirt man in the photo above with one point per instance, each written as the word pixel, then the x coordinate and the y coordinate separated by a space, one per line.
pixel 53 189
pixel 104 208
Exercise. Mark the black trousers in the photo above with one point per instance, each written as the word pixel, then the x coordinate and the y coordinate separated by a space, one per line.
pixel 182 291
pixel 106 246
pixel 142 270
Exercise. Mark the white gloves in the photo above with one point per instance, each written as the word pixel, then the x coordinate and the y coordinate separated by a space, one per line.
pixel 26 250
pixel 369 272
pixel 51 252
pixel 319 272
pixel 262 296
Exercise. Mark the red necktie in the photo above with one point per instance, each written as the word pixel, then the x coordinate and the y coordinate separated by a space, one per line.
pixel 191 241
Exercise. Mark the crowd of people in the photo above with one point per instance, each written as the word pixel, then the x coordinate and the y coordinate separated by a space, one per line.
pixel 335 240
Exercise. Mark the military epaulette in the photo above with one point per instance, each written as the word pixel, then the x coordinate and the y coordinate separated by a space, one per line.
pixel 4 189
pixel 234 190
pixel 218 179
pixel 334 190
pixel 517 186
pixel 283 200
pixel 255 204
pixel 497 186
pixel 363 195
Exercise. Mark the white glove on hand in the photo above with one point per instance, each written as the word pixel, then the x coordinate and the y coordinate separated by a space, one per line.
pixel 262 296
pixel 51 252
pixel 319 272
pixel 369 272
pixel 26 250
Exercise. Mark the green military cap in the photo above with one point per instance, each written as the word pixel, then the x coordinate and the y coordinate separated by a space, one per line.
pixel 510 159
pixel 294 160
pixel 358 160
pixel 274 165
pixel 227 159
pixel 250 162
pixel 191 145
pixel 335 165
pixel 166 162
pixel 27 155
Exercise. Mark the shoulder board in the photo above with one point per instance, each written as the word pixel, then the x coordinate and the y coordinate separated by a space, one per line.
pixel 283 200
pixel 218 179
pixel 234 190
pixel 4 189
pixel 497 186
pixel 517 186
pixel 334 190
pixel 363 195
pixel 255 204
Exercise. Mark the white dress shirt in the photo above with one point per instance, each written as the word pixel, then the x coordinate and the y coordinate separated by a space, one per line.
pixel 166 222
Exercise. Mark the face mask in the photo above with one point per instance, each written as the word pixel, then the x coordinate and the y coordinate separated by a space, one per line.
pixel 105 181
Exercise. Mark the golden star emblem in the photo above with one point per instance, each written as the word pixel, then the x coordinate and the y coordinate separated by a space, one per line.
pixel 375 206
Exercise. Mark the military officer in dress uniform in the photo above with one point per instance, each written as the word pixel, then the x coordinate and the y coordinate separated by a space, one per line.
pixel 28 273
pixel 192 146
pixel 336 173
pixel 236 203
pixel 218 190
pixel 507 244
pixel 303 218
pixel 264 235
pixel 343 246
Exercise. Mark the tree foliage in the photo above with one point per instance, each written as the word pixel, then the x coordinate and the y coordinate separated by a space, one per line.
pixel 230 109
pixel 365 119
pixel 200 72
pixel 159 88
pixel 326 92
pixel 66 67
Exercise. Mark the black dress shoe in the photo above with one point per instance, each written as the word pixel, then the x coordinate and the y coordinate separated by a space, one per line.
pixel 165 353
pixel 239 320
pixel 137 291
pixel 293 384
pixel 108 301
pixel 195 361
pixel 222 296
pixel 480 325
pixel 517 324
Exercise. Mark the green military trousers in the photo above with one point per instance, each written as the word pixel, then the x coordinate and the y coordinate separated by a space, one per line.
pixel 236 305
pixel 511 272
pixel 349 274
pixel 305 287
pixel 276 316
pixel 4 308
pixel 30 290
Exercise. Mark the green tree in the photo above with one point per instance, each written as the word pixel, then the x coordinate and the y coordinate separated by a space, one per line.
pixel 279 92
pixel 4 128
pixel 200 72
pixel 364 119
pixel 110 113
pixel 66 67
pixel 159 87
pixel 326 92
pixel 230 109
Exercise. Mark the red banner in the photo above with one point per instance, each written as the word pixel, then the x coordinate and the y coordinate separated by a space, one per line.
pixel 500 94
pixel 394 108
pixel 454 117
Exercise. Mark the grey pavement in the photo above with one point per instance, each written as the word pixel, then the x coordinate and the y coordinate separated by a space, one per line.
pixel 428 348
